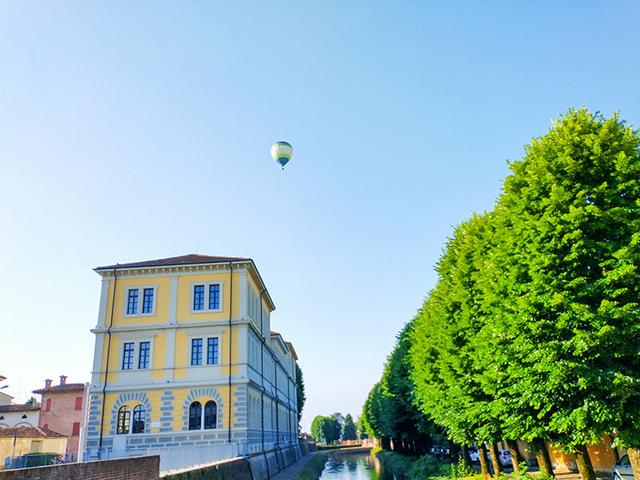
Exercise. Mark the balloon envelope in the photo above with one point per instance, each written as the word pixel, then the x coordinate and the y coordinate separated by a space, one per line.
pixel 282 152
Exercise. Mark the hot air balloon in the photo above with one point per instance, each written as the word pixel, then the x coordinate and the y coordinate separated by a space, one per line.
pixel 282 152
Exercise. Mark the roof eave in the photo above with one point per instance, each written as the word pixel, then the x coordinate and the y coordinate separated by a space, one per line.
pixel 105 270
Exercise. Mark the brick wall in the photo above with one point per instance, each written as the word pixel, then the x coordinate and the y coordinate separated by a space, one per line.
pixel 236 469
pixel 138 468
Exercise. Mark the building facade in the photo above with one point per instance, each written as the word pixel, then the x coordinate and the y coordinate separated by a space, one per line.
pixel 23 439
pixel 186 365
pixel 20 414
pixel 62 410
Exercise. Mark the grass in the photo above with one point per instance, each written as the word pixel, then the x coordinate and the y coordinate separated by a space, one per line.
pixel 313 468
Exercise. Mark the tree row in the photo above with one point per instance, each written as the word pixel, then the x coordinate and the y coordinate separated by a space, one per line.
pixel 532 331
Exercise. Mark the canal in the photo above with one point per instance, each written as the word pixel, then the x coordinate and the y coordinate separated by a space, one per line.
pixel 354 466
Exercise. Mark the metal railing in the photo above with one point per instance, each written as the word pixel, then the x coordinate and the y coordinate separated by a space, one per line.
pixel 33 460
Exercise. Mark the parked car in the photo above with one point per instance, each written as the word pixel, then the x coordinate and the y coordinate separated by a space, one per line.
pixel 439 450
pixel 622 469
pixel 503 455
pixel 505 458
pixel 474 455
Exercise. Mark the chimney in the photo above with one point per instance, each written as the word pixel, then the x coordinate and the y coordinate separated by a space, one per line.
pixel 47 383
pixel 63 379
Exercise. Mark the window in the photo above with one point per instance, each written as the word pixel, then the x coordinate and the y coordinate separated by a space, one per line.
pixel 127 356
pixel 76 429
pixel 212 351
pixel 47 405
pixel 207 297
pixel 124 416
pixel 214 296
pixel 198 297
pixel 140 300
pixel 78 403
pixel 138 419
pixel 196 351
pixel 144 355
pixel 132 302
pixel 147 300
pixel 195 414
pixel 210 414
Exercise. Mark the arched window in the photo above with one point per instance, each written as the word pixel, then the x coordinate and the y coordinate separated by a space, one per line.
pixel 195 416
pixel 210 414
pixel 138 419
pixel 124 416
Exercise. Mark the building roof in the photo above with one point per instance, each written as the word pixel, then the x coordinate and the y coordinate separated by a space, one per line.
pixel 20 407
pixel 187 260
pixel 67 387
pixel 28 431
pixel 280 340
pixel 292 350
pixel 191 259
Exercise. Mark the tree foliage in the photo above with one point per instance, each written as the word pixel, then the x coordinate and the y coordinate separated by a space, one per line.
pixel 390 412
pixel 533 327
pixel 300 394
pixel 361 429
pixel 325 429
pixel 349 428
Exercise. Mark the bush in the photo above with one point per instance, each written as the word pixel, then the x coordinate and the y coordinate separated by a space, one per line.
pixel 429 466
pixel 403 467
pixel 461 469
pixel 395 464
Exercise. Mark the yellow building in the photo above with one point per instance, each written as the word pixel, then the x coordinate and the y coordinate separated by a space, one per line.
pixel 186 365
pixel 23 439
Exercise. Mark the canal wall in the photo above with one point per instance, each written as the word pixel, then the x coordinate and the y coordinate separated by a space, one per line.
pixel 349 451
pixel 259 466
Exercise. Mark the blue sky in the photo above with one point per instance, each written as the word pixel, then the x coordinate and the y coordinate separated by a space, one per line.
pixel 140 130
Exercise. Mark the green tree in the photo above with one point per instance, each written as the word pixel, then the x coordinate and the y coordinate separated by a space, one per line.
pixel 569 318
pixel 300 394
pixel 532 329
pixel 361 428
pixel 373 415
pixel 445 343
pixel 318 429
pixel 349 428
pixel 325 429
pixel 408 427
pixel 333 429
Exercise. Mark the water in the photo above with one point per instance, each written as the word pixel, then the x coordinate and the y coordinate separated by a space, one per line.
pixel 355 466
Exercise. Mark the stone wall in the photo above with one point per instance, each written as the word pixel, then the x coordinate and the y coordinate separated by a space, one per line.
pixel 137 468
